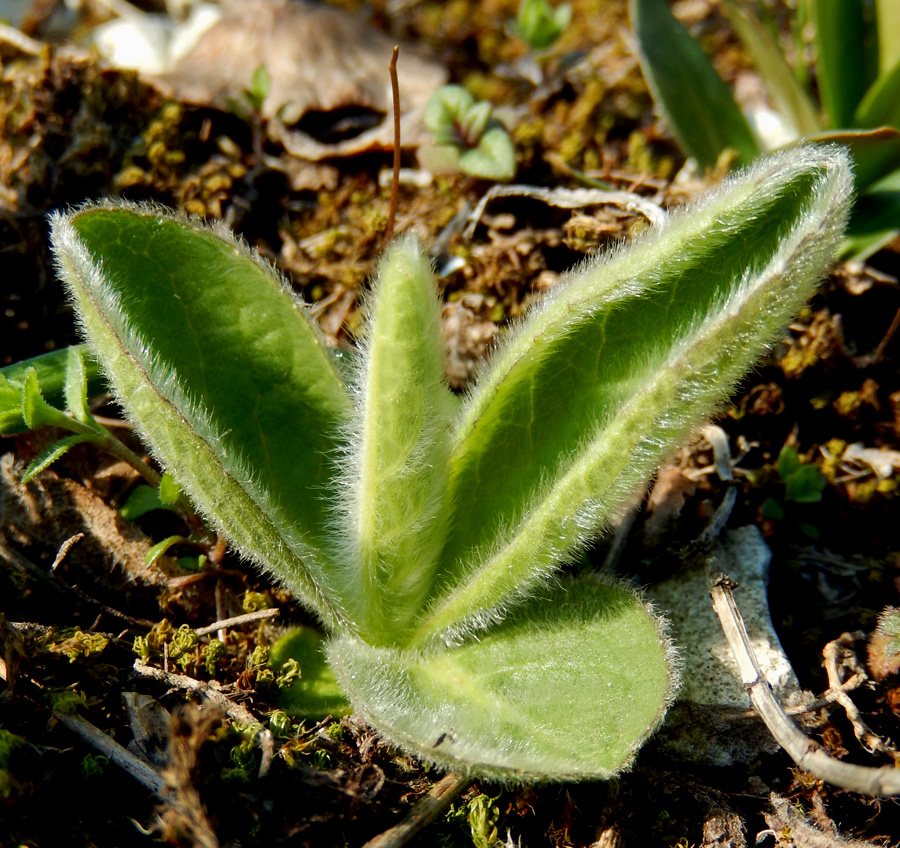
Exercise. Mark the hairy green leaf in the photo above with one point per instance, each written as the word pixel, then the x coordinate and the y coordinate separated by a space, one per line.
pixel 567 689
pixel 617 366
pixel 50 370
pixel 396 470
pixel 224 374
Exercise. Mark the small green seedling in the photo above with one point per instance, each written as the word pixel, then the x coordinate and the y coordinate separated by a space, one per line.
pixel 803 482
pixel 857 69
pixel 539 24
pixel 51 372
pixel 425 533
pixel 467 137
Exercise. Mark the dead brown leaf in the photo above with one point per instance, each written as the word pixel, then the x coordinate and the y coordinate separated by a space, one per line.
pixel 326 67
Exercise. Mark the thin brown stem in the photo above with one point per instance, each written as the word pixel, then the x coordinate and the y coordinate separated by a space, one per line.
pixel 428 808
pixel 395 179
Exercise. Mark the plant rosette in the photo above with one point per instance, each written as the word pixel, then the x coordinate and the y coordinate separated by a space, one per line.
pixel 425 532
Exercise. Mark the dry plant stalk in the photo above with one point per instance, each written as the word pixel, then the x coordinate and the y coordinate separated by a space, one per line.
pixel 806 752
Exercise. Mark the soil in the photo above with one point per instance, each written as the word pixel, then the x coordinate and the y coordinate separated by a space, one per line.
pixel 73 129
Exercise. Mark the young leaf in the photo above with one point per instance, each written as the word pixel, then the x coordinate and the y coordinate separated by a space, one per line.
pixel 223 373
pixel 141 500
pixel 50 370
pixel 467 136
pixel 36 412
pixel 169 491
pixel 162 547
pixel 697 105
pixel 539 24
pixel 494 158
pixel 49 455
pixel 616 367
pixel 396 474
pixel 445 114
pixel 567 689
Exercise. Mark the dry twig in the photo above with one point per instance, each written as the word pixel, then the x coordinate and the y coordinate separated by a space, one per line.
pixel 807 753
pixel 833 654
pixel 234 711
pixel 237 621
pixel 426 810
pixel 135 768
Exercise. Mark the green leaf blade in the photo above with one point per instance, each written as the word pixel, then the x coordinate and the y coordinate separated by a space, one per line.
pixel 616 368
pixel 49 455
pixel 400 445
pixel 846 60
pixel 567 690
pixel 696 103
pixel 494 158
pixel 76 388
pixel 881 104
pixel 223 373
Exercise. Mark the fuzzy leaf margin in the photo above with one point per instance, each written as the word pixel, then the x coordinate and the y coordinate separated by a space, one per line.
pixel 567 688
pixel 167 303
pixel 613 370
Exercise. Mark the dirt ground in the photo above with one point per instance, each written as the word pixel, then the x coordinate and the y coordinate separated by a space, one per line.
pixel 309 193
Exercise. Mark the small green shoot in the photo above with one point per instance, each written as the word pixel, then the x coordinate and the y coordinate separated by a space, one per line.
pixel 426 533
pixel 540 24
pixel 483 815
pixel 51 372
pixel 803 482
pixel 468 138
pixel 259 88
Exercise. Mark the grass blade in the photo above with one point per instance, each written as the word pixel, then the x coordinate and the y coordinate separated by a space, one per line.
pixel 792 100
pixel 695 102
pixel 846 57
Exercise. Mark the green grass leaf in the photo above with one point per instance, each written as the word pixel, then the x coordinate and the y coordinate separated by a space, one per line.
pixel 880 107
pixel 694 100
pixel 846 56
pixel 792 99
